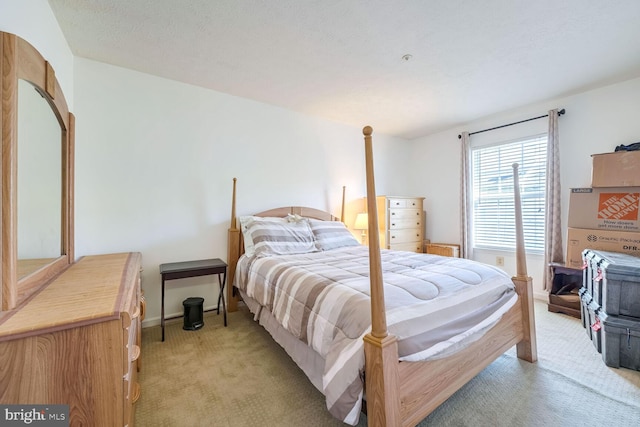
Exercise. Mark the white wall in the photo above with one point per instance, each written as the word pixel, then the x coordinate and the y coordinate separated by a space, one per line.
pixel 595 122
pixel 34 21
pixel 155 161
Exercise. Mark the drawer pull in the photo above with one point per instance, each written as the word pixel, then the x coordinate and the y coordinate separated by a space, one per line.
pixel 135 354
pixel 136 393
pixel 143 307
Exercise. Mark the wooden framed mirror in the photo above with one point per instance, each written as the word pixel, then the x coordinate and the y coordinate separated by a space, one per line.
pixel 37 172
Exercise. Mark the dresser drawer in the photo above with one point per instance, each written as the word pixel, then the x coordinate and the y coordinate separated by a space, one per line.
pixel 393 202
pixel 398 223
pixel 410 247
pixel 404 213
pixel 404 236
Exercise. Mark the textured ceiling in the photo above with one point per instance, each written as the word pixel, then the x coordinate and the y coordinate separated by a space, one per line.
pixel 342 59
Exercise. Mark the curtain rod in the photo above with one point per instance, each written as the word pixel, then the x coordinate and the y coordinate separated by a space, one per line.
pixel 560 112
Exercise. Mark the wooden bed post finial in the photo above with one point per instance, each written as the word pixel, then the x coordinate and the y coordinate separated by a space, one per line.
pixel 233 253
pixel 344 187
pixel 521 259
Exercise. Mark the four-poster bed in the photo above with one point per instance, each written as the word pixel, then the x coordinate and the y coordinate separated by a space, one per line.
pixel 398 390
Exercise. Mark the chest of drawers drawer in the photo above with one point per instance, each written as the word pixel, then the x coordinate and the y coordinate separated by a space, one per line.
pixel 405 218
pixel 404 236
pixel 394 202
pixel 409 247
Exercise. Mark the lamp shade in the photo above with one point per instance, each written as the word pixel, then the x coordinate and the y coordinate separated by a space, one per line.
pixel 362 221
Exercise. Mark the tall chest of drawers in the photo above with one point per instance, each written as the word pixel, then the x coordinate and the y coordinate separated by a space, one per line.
pixel 77 342
pixel 401 222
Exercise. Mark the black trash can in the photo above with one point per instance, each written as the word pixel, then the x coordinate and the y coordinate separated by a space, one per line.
pixel 193 313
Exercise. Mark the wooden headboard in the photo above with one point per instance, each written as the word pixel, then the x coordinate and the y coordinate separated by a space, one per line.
pixel 299 210
pixel 235 246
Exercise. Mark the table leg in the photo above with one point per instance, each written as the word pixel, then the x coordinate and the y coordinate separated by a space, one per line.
pixel 224 304
pixel 221 297
pixel 219 294
pixel 162 310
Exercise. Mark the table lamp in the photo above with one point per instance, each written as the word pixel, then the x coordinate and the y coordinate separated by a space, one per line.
pixel 362 223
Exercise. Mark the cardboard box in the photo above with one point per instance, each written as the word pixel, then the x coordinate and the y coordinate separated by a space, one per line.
pixel 619 169
pixel 580 239
pixel 612 208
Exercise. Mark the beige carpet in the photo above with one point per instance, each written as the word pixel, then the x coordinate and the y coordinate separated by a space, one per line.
pixel 237 376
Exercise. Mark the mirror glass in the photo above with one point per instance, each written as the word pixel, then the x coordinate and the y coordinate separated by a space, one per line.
pixel 39 181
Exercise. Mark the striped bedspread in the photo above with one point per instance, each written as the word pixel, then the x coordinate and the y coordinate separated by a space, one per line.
pixel 435 306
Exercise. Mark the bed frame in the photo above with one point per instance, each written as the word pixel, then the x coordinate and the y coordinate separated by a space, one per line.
pixel 404 393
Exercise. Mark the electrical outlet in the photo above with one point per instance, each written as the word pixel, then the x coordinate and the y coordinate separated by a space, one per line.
pixel 500 260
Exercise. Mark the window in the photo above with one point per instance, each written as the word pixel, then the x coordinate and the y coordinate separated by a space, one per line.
pixel 493 206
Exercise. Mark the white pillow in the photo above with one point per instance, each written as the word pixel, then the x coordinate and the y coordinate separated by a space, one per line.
pixel 245 221
pixel 280 237
pixel 331 235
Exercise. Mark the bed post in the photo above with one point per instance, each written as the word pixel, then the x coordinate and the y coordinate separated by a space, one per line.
pixel 342 208
pixel 527 348
pixel 233 253
pixel 380 348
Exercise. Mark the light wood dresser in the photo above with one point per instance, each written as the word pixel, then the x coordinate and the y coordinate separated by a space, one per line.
pixel 77 342
pixel 401 223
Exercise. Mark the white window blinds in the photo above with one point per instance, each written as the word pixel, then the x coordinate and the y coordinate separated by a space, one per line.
pixel 493 207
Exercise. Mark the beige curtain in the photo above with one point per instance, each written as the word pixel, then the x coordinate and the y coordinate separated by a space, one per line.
pixel 466 202
pixel 553 227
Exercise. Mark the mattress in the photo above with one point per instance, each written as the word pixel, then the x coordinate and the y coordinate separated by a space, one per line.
pixel 435 306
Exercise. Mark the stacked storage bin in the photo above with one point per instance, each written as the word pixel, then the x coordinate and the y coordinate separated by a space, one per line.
pixel 610 306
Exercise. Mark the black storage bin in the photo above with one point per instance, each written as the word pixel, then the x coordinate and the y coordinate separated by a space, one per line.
pixel 193 313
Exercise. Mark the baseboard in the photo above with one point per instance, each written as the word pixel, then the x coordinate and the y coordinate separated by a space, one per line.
pixel 541 295
pixel 155 321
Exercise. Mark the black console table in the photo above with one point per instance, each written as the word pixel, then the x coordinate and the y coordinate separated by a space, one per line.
pixel 205 267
